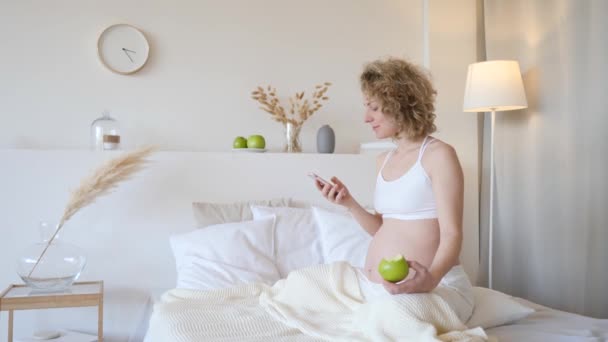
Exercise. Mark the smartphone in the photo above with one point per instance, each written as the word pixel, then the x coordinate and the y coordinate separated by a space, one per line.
pixel 319 178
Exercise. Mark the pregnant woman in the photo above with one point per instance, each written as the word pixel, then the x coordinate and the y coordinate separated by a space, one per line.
pixel 419 190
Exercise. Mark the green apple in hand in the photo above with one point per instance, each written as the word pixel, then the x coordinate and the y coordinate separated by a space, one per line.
pixel 239 142
pixel 256 141
pixel 394 269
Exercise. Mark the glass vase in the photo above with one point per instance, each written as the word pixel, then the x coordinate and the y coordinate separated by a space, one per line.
pixel 292 138
pixel 50 267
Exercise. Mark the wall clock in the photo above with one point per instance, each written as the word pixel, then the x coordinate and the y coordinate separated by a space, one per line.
pixel 123 49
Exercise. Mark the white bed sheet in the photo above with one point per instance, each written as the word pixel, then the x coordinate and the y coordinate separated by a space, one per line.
pixel 548 324
pixel 544 325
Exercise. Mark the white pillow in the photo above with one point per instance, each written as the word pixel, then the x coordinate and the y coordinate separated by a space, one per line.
pixel 342 238
pixel 297 242
pixel 494 308
pixel 225 255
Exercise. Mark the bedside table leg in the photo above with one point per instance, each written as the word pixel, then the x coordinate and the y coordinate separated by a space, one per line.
pixel 10 325
pixel 100 323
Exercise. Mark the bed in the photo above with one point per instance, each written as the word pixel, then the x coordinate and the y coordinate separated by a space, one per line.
pixel 326 235
pixel 144 213
pixel 545 324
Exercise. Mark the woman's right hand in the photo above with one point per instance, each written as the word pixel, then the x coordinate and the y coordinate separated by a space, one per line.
pixel 337 193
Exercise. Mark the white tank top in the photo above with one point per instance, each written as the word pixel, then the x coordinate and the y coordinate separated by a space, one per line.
pixel 409 197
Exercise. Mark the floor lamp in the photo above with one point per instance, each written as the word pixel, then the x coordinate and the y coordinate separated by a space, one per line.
pixel 493 86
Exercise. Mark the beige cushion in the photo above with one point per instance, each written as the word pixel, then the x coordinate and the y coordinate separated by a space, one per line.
pixel 208 213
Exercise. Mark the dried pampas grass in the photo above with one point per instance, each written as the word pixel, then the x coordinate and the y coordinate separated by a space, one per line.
pixel 300 109
pixel 105 178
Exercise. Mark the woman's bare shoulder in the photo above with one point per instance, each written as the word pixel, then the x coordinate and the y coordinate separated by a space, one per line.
pixel 439 153
pixel 439 146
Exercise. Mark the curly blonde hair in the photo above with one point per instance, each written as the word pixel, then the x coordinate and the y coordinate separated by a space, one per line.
pixel 405 93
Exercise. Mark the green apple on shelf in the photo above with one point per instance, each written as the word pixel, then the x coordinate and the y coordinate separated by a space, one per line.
pixel 256 141
pixel 239 142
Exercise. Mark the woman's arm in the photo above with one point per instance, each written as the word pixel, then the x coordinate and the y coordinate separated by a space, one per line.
pixel 370 222
pixel 448 188
pixel 339 194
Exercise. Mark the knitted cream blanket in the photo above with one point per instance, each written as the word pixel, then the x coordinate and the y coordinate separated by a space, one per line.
pixel 318 303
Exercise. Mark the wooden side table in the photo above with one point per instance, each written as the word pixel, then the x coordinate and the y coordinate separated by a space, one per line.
pixel 21 297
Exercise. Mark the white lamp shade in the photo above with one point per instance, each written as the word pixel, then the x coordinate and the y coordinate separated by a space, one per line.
pixel 494 85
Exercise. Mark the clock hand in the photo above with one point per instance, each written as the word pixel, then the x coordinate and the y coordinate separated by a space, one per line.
pixel 126 53
pixel 129 50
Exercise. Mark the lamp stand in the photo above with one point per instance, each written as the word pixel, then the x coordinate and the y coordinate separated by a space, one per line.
pixel 491 226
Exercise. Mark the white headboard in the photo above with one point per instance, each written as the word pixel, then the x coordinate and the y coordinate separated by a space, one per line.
pixel 125 234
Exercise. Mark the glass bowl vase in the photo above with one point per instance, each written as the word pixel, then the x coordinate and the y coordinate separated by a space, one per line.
pixel 53 266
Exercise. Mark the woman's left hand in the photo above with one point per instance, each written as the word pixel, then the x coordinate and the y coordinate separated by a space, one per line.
pixel 422 281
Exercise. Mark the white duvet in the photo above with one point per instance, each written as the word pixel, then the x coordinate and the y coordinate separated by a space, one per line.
pixel 322 302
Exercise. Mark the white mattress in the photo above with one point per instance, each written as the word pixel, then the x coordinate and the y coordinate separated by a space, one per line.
pixel 547 324
pixel 139 333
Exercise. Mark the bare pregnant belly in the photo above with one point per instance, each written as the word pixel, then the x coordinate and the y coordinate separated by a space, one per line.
pixel 416 240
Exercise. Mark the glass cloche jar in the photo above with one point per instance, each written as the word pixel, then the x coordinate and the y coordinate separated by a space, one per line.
pixel 105 133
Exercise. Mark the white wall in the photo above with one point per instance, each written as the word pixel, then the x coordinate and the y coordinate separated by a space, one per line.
pixel 206 58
